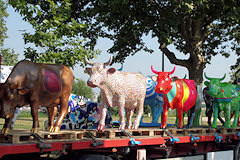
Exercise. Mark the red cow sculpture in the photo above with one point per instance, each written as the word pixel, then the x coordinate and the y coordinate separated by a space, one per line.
pixel 36 84
pixel 180 94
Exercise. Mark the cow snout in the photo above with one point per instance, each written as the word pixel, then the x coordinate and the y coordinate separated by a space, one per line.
pixel 90 84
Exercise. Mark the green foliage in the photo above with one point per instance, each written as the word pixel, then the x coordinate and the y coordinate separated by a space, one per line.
pixel 69 29
pixel 9 58
pixel 80 88
pixel 3 16
pixel 200 28
pixel 56 32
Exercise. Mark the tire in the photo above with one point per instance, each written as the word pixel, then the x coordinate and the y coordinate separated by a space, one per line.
pixel 85 157
pixel 237 152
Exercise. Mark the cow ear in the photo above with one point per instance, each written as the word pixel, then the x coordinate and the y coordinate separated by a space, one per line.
pixel 23 91
pixel 88 70
pixel 111 70
pixel 154 78
pixel 206 83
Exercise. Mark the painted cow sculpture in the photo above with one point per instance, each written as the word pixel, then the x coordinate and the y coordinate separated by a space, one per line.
pixel 122 89
pixel 180 94
pixel 153 99
pixel 36 84
pixel 226 97
pixel 209 106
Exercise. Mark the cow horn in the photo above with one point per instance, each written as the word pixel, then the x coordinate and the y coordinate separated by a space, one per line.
pixel 108 62
pixel 172 71
pixel 120 69
pixel 88 62
pixel 154 71
pixel 207 76
pixel 223 77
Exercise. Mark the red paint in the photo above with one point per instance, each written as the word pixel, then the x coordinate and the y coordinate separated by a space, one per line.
pixel 52 81
pixel 150 141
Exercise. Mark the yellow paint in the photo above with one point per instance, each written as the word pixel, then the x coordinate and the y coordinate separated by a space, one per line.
pixel 186 92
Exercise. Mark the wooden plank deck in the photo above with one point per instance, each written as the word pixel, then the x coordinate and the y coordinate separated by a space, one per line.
pixel 24 136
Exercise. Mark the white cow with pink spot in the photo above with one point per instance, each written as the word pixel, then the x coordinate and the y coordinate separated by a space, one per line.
pixel 122 89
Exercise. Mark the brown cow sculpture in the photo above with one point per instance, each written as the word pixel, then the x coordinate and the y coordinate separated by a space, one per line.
pixel 122 89
pixel 36 84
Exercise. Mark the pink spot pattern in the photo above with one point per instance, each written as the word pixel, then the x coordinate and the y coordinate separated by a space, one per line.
pixel 124 90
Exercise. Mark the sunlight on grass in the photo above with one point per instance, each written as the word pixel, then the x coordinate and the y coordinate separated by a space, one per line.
pixel 24 121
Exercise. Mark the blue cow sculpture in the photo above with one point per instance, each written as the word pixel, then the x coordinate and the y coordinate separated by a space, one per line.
pixel 153 99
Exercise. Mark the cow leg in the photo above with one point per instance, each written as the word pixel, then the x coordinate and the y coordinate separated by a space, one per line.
pixel 215 114
pixel 180 116
pixel 165 113
pixel 209 112
pixel 52 112
pixel 129 114
pixel 227 108
pixel 34 113
pixel 62 114
pixel 139 114
pixel 7 125
pixel 235 108
pixel 191 116
pixel 236 116
pixel 103 114
pixel 219 117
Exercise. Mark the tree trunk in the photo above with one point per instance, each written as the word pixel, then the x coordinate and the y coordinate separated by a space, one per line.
pixel 195 64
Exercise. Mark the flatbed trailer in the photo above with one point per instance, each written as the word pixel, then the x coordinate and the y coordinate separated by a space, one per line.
pixel 144 143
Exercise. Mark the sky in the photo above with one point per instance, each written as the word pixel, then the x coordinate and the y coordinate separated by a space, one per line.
pixel 140 62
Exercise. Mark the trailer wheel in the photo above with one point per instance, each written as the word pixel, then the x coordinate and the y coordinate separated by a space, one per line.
pixel 237 152
pixel 85 157
pixel 94 157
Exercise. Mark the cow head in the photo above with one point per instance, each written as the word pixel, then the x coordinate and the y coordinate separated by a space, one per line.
pixel 9 100
pixel 213 84
pixel 98 72
pixel 164 82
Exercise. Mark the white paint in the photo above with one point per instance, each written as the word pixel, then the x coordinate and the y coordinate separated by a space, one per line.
pixel 223 155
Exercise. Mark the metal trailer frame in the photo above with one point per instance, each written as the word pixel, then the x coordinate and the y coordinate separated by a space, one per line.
pixel 126 148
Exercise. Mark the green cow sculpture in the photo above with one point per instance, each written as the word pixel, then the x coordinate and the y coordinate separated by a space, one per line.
pixel 227 96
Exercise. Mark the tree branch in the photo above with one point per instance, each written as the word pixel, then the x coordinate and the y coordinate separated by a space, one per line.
pixel 171 56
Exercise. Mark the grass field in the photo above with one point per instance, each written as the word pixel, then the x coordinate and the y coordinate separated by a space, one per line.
pixel 24 121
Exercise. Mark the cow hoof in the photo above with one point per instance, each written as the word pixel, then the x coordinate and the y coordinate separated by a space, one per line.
pixel 50 128
pixel 5 131
pixel 163 127
pixel 214 126
pixel 121 127
pixel 129 127
pixel 100 127
pixel 34 130
pixel 134 127
pixel 56 129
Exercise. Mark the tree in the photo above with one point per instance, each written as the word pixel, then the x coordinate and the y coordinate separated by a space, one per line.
pixel 80 88
pixel 56 33
pixel 3 28
pixel 8 56
pixel 199 28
